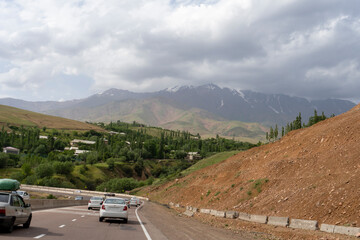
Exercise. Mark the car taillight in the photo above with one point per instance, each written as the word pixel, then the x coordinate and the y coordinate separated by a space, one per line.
pixel 2 211
pixel 125 208
pixel 89 201
pixel 103 207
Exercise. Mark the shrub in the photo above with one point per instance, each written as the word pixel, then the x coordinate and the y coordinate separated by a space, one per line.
pixel 44 170
pixel 4 158
pixel 118 185
pixel 50 196
pixel 64 168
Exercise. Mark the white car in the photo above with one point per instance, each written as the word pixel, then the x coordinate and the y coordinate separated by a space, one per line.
pixel 114 208
pixel 23 194
pixel 13 211
pixel 95 202
pixel 134 202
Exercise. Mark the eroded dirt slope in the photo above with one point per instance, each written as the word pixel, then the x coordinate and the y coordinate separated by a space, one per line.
pixel 312 173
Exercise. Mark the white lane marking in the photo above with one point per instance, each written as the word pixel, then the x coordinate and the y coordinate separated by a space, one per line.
pixel 40 236
pixel 142 225
pixel 82 216
pixel 74 220
pixel 61 226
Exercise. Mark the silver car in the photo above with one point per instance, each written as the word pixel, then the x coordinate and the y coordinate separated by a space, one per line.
pixel 95 202
pixel 13 211
pixel 134 201
pixel 23 194
pixel 114 208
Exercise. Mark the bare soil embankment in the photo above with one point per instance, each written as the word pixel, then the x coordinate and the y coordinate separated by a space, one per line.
pixel 312 173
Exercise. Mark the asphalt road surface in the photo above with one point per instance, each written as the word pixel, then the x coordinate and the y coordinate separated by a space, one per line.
pixel 154 222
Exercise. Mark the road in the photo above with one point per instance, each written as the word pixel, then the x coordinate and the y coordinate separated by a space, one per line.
pixel 159 223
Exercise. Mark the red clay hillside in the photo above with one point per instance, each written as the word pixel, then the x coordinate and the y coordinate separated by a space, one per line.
pixel 311 173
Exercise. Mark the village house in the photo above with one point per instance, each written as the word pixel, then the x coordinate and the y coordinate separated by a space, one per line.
pixel 193 156
pixel 77 141
pixel 11 150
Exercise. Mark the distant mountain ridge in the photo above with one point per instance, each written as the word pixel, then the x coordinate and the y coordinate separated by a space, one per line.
pixel 169 107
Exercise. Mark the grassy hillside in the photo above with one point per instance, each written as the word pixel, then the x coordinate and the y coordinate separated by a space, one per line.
pixel 158 112
pixel 17 117
pixel 203 163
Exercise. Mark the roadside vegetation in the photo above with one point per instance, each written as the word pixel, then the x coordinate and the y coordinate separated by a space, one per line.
pixel 118 158
pixel 294 125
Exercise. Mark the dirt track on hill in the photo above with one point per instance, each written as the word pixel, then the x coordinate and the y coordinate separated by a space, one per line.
pixel 311 173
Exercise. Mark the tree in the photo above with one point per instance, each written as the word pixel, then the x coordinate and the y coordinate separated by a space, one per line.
pixel 271 135
pixel 64 168
pixel 3 160
pixel 92 157
pixel 44 170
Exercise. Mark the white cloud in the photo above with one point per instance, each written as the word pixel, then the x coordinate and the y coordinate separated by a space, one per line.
pixel 268 46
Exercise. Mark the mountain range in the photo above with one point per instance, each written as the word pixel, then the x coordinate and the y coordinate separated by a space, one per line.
pixel 206 109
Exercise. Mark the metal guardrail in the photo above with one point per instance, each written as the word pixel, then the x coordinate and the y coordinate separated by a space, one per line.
pixel 79 192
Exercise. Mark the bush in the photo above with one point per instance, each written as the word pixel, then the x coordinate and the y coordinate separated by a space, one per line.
pixel 50 196
pixel 4 158
pixel 31 180
pixel 64 168
pixel 111 163
pixel 41 149
pixel 18 176
pixel 44 170
pixel 55 182
pixel 119 185
pixel 92 158
pixel 127 170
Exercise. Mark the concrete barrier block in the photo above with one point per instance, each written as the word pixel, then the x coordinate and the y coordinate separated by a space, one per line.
pixel 213 212
pixel 203 210
pixel 232 214
pixel 188 213
pixel 278 221
pixel 194 209
pixel 352 231
pixel 220 214
pixel 327 228
pixel 177 205
pixel 304 224
pixel 171 204
pixel 244 216
pixel 258 218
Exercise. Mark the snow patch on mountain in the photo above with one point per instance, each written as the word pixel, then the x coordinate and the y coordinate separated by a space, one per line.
pixel 277 112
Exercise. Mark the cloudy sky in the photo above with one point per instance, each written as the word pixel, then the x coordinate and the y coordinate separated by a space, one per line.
pixel 60 50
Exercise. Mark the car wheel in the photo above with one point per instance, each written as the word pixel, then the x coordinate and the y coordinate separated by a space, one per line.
pixel 125 220
pixel 89 208
pixel 101 219
pixel 11 226
pixel 27 224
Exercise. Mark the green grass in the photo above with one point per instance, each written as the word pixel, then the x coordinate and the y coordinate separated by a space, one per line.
pixel 7 172
pixel 17 117
pixel 219 157
pixel 92 173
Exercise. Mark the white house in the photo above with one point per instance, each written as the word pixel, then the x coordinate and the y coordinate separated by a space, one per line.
pixel 11 150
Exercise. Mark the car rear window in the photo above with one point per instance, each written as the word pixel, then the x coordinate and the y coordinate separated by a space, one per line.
pixel 96 198
pixel 4 198
pixel 115 201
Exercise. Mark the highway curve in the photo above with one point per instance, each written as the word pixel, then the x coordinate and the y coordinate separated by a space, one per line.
pixel 159 223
